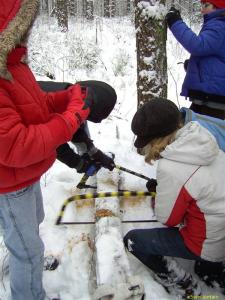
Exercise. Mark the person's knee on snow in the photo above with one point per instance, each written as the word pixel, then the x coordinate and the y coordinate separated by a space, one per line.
pixel 186 153
pixel 173 278
pixel 129 240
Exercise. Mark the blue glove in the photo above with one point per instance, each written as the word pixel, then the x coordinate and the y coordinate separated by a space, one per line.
pixel 92 170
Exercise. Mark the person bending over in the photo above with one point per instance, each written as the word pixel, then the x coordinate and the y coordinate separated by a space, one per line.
pixel 104 99
pixel 189 201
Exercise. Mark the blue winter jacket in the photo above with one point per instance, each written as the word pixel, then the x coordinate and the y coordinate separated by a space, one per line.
pixel 205 77
pixel 214 125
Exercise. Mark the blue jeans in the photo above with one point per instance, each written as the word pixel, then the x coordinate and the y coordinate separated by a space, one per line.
pixel 21 213
pixel 150 245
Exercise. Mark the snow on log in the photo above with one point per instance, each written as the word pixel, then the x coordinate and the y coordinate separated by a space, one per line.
pixel 113 275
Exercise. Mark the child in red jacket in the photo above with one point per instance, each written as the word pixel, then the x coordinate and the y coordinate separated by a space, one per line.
pixel 33 125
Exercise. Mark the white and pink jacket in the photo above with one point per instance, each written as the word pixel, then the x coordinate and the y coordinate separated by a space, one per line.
pixel 191 191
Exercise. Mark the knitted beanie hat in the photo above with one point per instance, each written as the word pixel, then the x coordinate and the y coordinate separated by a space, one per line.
pixel 156 118
pixel 104 99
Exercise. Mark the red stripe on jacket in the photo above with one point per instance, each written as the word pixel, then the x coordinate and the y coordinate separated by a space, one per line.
pixel 187 211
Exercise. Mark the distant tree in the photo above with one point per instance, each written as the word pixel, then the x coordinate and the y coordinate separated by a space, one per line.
pixel 43 5
pixel 106 8
pixel 72 7
pixel 109 8
pixel 128 6
pixel 113 8
pixel 47 6
pixel 151 50
pixel 89 9
pixel 61 10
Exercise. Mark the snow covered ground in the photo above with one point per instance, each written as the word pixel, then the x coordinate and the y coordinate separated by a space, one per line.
pixel 115 63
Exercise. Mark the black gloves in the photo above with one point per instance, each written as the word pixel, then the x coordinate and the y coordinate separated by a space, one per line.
pixel 91 164
pixel 172 16
pixel 151 185
pixel 103 160
pixel 87 165
pixel 83 164
pixel 67 156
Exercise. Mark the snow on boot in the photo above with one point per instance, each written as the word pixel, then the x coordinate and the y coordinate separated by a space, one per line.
pixel 50 263
pixel 178 282
pixel 213 274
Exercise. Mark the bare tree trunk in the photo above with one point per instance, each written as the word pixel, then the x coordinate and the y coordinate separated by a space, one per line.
pixel 109 8
pixel 89 12
pixel 43 5
pixel 72 7
pixel 46 6
pixel 62 14
pixel 128 6
pixel 113 8
pixel 106 8
pixel 151 50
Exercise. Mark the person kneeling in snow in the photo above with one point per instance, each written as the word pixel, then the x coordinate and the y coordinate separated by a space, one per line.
pixel 104 98
pixel 190 193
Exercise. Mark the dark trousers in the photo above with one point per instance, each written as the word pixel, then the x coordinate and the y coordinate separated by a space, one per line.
pixel 208 111
pixel 150 245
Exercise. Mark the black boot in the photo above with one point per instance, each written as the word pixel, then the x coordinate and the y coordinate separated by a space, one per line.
pixel 212 273
pixel 178 282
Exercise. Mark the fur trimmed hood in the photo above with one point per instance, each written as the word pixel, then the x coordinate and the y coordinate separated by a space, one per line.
pixel 16 19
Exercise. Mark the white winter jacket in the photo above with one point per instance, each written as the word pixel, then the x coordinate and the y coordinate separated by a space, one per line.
pixel 191 190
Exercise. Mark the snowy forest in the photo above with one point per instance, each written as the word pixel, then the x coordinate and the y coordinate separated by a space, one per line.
pixel 126 44
pixel 148 20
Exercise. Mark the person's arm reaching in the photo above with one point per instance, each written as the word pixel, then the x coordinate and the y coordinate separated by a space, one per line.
pixel 208 42
pixel 81 163
pixel 23 145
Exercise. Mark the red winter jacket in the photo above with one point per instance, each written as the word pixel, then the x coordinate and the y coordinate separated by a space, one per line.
pixel 31 126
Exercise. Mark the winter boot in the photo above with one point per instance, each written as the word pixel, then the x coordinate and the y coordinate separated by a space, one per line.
pixel 178 282
pixel 50 263
pixel 213 274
